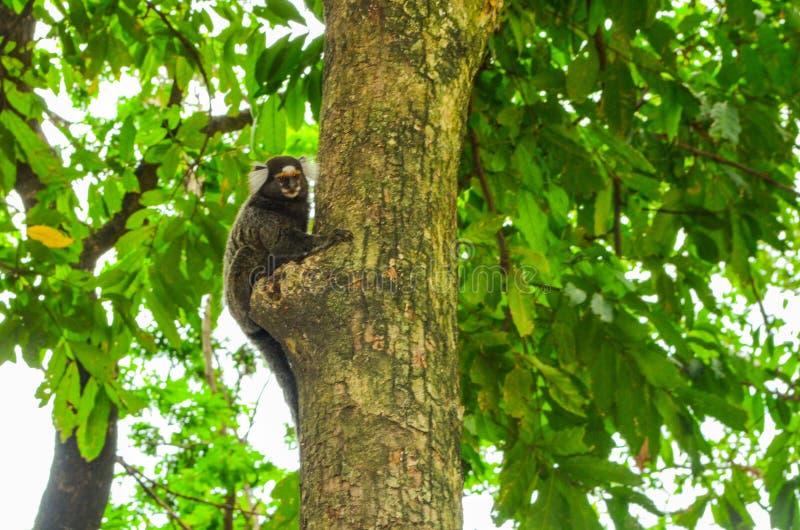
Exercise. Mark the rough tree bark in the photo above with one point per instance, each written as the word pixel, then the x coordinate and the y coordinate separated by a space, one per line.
pixel 77 491
pixel 371 325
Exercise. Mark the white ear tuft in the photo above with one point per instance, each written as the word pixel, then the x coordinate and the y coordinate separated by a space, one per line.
pixel 257 177
pixel 310 169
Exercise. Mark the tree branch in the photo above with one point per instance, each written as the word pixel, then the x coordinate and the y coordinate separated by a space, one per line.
pixel 505 261
pixel 15 271
pixel 136 474
pixel 208 360
pixel 138 477
pixel 226 124
pixel 600 46
pixel 732 163
pixel 26 12
pixel 99 242
pixel 617 215
pixel 146 173
pixel 760 303
pixel 693 211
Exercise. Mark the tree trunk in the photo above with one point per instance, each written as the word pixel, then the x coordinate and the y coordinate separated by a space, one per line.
pixel 77 491
pixel 370 326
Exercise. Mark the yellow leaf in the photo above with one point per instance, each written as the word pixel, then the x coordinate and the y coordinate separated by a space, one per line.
pixel 49 237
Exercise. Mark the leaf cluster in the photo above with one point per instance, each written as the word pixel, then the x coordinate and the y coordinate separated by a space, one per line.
pixel 127 129
pixel 628 191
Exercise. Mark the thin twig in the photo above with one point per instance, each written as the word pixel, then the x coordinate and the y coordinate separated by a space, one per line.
pixel 695 211
pixel 253 414
pixel 505 261
pixel 617 215
pixel 208 361
pixel 16 271
pixel 600 46
pixel 26 12
pixel 222 506
pixel 195 55
pixel 760 304
pixel 139 478
pixel 732 163
pixel 226 124
pixel 602 61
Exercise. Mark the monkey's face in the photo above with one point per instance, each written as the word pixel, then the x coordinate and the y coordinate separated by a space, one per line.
pixel 290 180
pixel 281 177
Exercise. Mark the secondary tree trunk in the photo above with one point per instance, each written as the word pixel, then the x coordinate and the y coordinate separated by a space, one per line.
pixel 77 491
pixel 371 325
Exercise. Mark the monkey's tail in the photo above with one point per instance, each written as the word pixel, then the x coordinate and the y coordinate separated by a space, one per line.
pixel 278 363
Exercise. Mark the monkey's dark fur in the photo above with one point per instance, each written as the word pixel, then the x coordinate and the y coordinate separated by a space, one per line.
pixel 269 231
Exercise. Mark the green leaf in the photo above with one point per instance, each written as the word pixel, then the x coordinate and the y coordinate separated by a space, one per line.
pixel 717 406
pixel 594 471
pixel 567 441
pixel 65 404
pixel 689 517
pixel 35 150
pixel 149 136
pixel 295 104
pixel 517 390
pixel 670 110
pixel 633 496
pixel 597 14
pixel 521 307
pixel 619 98
pixel 706 247
pixel 98 363
pixel 725 124
pixel 603 376
pixel 269 132
pixel 619 511
pixel 532 221
pixel 657 368
pixel 785 511
pixel 560 387
pixel 282 11
pixel 603 209
pixel 286 498
pixel 582 74
pixel 160 306
pixel 579 513
pixel 484 230
pixel 626 152
pixel 741 11
pixel 154 197
pixel 669 333
pixel 517 480
pixel 190 133
pixel 559 203
pixel 91 432
pixel 548 511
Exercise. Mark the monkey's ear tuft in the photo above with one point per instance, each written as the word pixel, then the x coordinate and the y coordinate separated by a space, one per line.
pixel 310 169
pixel 257 177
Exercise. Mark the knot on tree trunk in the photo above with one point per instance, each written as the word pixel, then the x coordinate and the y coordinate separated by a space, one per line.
pixel 300 301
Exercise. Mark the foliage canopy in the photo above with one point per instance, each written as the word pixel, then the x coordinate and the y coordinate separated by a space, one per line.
pixel 621 158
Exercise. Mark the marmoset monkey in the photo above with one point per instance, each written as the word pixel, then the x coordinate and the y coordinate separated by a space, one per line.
pixel 269 231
